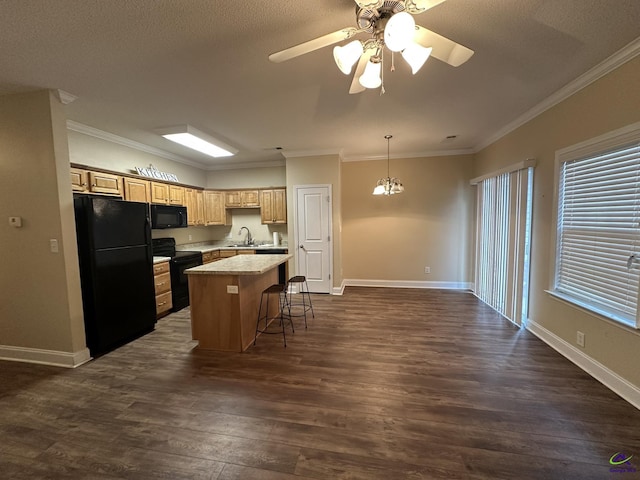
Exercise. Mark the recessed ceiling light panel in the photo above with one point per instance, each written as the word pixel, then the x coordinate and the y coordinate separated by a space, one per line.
pixel 192 138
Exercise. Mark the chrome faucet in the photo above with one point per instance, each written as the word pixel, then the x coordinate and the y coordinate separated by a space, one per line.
pixel 249 240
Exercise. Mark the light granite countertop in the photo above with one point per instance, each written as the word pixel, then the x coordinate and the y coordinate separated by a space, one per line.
pixel 160 259
pixel 240 265
pixel 213 248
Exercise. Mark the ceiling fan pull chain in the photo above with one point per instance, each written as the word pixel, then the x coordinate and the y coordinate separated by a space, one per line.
pixel 393 65
pixel 382 71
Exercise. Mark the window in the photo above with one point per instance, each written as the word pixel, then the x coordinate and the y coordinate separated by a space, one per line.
pixel 598 242
pixel 503 240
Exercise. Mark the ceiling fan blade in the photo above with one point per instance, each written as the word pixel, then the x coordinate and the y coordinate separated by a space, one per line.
pixel 444 49
pixel 314 44
pixel 416 7
pixel 356 86
pixel 370 4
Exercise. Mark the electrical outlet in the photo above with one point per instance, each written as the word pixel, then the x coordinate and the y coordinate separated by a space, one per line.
pixel 427 269
pixel 232 289
pixel 53 245
pixel 190 237
pixel 580 339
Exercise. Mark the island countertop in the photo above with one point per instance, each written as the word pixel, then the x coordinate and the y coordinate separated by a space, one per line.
pixel 240 265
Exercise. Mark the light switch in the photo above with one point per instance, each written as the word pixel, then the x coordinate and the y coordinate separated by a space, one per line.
pixel 53 245
pixel 15 221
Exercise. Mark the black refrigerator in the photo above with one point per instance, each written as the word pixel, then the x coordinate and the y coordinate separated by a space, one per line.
pixel 116 271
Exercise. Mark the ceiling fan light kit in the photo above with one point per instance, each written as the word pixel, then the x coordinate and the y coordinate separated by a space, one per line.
pixel 347 56
pixel 391 25
pixel 371 77
pixel 415 55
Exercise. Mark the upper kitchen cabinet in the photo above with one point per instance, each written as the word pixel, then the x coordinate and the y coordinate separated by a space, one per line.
pixel 194 201
pixel 273 206
pixel 159 192
pixel 176 195
pixel 87 181
pixel 167 194
pixel 137 190
pixel 242 199
pixel 214 208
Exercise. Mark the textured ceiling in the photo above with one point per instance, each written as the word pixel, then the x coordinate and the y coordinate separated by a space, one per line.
pixel 139 65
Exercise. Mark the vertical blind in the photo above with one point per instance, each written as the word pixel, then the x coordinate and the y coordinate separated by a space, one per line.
pixel 599 232
pixel 503 242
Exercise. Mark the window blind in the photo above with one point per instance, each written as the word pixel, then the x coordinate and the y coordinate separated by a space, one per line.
pixel 599 232
pixel 503 242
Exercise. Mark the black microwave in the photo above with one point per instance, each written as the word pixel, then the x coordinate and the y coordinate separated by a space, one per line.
pixel 168 216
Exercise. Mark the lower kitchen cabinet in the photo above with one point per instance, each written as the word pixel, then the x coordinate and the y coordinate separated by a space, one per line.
pixel 162 281
pixel 212 256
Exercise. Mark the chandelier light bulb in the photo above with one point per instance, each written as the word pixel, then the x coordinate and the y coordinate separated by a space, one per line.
pixel 415 55
pixel 399 31
pixel 347 56
pixel 371 77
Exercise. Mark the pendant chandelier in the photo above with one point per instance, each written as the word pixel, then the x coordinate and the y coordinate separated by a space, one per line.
pixel 388 185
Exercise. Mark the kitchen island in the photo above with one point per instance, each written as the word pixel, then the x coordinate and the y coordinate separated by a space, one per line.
pixel 225 297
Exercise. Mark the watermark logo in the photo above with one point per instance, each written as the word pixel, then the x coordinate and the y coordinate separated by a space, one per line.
pixel 621 463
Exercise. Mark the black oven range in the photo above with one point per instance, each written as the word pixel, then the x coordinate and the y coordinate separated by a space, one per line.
pixel 180 261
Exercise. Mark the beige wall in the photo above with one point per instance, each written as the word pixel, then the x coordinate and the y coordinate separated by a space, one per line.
pixel 318 170
pixel 41 306
pixel 609 103
pixel 393 238
pixel 97 152
pixel 247 178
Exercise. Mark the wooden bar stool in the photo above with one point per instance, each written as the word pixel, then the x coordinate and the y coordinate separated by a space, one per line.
pixel 303 305
pixel 281 292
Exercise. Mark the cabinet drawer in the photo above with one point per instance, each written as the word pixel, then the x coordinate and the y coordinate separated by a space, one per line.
pixel 163 303
pixel 208 257
pixel 227 253
pixel 159 268
pixel 162 283
pixel 246 252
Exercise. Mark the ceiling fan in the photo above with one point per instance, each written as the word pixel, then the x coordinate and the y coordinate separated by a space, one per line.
pixel 390 25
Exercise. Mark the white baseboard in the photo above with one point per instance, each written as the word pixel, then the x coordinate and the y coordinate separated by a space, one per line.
pixel 45 357
pixel 353 282
pixel 628 391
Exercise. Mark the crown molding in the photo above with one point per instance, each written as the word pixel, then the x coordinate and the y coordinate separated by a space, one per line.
pixel 240 166
pixel 110 137
pixel 310 153
pixel 622 56
pixel 65 97
pixel 436 153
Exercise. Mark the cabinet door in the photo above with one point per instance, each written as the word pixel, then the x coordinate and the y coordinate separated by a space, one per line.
pixel 214 208
pixel 104 183
pixel 79 180
pixel 266 206
pixel 273 206
pixel 137 190
pixel 280 206
pixel 232 199
pixel 250 198
pixel 191 203
pixel 176 195
pixel 159 193
pixel 199 207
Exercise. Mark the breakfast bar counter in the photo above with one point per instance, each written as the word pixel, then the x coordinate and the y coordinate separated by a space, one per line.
pixel 225 297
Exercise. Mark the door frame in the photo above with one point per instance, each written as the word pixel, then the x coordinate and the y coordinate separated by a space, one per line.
pixel 296 244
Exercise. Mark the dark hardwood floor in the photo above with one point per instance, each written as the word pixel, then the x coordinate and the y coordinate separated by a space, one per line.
pixel 384 384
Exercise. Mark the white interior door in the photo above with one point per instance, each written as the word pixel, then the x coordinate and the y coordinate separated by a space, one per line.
pixel 313 236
